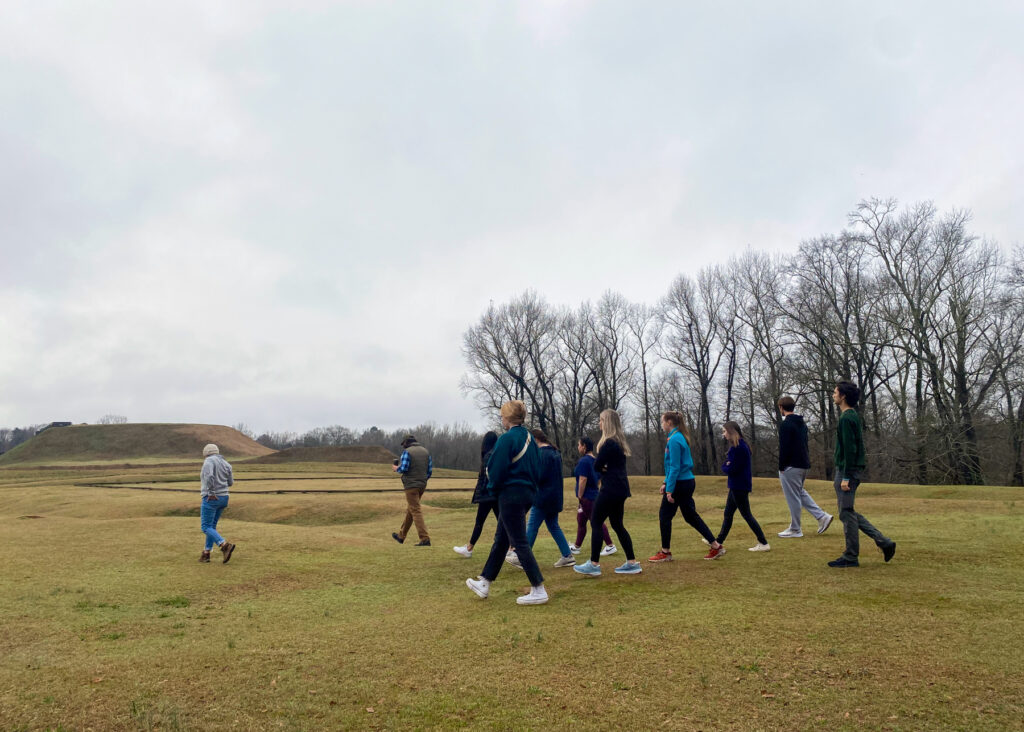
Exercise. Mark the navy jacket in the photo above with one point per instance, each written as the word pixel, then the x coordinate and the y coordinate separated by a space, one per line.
pixel 550 487
pixel 737 467
pixel 793 452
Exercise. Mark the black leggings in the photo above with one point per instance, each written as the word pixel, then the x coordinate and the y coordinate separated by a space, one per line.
pixel 482 509
pixel 683 497
pixel 740 500
pixel 611 508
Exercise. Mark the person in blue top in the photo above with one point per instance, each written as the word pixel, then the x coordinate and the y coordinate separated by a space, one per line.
pixel 512 475
pixel 549 501
pixel 737 466
pixel 677 490
pixel 586 494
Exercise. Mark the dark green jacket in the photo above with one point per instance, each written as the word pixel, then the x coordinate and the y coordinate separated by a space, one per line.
pixel 517 481
pixel 850 442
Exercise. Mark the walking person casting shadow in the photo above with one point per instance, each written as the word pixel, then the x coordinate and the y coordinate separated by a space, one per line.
pixel 216 477
pixel 737 467
pixel 485 503
pixel 415 466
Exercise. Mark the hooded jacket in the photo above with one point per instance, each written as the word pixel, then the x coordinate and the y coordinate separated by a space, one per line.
pixel 509 479
pixel 793 452
pixel 550 485
pixel 678 460
pixel 480 494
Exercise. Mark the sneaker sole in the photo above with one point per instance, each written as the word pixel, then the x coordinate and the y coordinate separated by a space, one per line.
pixel 520 601
pixel 792 536
pixel 557 565
pixel 630 571
pixel 588 574
pixel 659 561
pixel 823 529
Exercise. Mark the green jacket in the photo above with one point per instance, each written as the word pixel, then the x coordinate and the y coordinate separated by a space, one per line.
pixel 849 453
pixel 515 481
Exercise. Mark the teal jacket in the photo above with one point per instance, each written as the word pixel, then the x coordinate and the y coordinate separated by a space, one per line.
pixel 514 481
pixel 678 461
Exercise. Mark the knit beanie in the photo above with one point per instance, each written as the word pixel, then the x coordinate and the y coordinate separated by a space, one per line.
pixel 211 449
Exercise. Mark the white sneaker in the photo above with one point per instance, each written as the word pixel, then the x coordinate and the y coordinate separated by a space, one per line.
pixel 760 548
pixel 790 534
pixel 480 586
pixel 573 549
pixel 565 562
pixel 463 551
pixel 513 559
pixel 824 523
pixel 610 549
pixel 538 596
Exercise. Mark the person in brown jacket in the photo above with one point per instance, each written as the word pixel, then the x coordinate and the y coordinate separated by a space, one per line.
pixel 415 466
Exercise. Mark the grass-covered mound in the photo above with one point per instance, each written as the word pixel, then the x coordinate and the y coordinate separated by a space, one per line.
pixel 87 443
pixel 351 454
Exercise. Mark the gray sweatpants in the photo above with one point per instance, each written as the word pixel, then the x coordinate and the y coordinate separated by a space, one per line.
pixel 853 522
pixel 797 497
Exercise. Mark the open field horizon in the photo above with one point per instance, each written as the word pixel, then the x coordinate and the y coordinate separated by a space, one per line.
pixel 322 621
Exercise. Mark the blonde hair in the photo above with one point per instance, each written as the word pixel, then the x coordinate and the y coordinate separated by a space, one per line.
pixel 612 430
pixel 514 411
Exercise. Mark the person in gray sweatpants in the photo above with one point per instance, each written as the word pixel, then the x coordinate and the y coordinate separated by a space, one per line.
pixel 794 462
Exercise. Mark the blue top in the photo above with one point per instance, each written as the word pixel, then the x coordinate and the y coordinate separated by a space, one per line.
pixel 737 467
pixel 404 462
pixel 550 485
pixel 585 469
pixel 516 481
pixel 678 461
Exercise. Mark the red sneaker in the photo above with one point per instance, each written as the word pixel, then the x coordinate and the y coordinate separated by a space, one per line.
pixel 715 553
pixel 661 557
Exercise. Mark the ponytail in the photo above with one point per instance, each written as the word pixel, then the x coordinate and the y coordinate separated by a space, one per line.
pixel 679 421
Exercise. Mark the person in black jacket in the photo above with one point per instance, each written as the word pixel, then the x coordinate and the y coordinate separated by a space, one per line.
pixel 794 461
pixel 485 503
pixel 549 502
pixel 612 452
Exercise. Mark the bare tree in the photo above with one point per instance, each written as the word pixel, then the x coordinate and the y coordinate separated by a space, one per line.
pixel 112 419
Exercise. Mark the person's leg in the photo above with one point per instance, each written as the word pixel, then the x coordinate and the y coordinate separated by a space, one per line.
pixel 684 497
pixel 848 517
pixel 533 525
pixel 730 511
pixel 207 514
pixel 805 498
pixel 596 519
pixel 666 513
pixel 551 521
pixel 497 555
pixel 606 535
pixel 743 504
pixel 616 512
pixel 410 496
pixel 221 505
pixel 482 509
pixel 792 484
pixel 513 518
pixel 582 519
pixel 417 513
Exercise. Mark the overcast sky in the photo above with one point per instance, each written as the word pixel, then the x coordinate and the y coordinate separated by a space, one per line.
pixel 287 213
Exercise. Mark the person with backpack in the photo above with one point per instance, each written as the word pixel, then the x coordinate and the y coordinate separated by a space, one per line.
pixel 513 472
pixel 794 462
pixel 677 490
pixel 738 467
pixel 485 503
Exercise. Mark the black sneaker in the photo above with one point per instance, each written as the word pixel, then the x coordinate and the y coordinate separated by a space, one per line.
pixel 888 551
pixel 841 562
pixel 425 542
pixel 396 537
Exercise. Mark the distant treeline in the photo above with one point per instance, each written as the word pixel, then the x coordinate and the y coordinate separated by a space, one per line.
pixel 11 437
pixel 926 317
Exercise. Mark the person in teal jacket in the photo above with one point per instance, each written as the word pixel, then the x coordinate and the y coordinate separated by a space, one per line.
pixel 512 475
pixel 677 490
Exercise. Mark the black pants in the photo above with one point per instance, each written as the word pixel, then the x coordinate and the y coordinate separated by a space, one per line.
pixel 683 496
pixel 482 509
pixel 740 500
pixel 853 522
pixel 512 532
pixel 612 508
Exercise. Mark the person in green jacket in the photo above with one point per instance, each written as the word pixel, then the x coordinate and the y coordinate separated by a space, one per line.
pixel 850 462
pixel 512 475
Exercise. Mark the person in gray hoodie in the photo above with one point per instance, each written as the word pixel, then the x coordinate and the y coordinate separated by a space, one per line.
pixel 216 477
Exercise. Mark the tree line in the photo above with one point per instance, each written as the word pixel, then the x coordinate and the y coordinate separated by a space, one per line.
pixel 925 316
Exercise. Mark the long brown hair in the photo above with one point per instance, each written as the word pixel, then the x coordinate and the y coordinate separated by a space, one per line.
pixel 734 432
pixel 612 430
pixel 678 420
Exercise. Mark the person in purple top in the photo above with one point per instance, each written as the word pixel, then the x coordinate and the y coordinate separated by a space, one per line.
pixel 737 466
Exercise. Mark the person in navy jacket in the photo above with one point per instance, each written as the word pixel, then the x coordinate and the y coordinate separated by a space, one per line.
pixel 737 466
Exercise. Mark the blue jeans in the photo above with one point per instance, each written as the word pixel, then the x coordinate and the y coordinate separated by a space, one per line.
pixel 551 519
pixel 209 515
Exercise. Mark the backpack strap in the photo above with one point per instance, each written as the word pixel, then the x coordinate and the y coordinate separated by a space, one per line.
pixel 522 453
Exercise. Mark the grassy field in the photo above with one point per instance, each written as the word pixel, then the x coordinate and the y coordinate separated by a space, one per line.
pixel 322 621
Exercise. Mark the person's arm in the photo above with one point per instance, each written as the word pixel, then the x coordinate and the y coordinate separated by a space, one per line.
pixel 205 475
pixel 786 438
pixel 231 475
pixel 499 464
pixel 848 446
pixel 675 459
pixel 403 463
pixel 430 466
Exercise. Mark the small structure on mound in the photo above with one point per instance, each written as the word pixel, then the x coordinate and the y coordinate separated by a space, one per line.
pixel 348 454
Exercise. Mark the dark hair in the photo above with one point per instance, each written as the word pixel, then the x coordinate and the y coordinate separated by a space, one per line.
pixel 678 420
pixel 490 440
pixel 588 444
pixel 734 428
pixel 539 436
pixel 850 392
pixel 787 403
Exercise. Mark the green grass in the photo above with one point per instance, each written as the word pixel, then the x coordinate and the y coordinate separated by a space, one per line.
pixel 321 621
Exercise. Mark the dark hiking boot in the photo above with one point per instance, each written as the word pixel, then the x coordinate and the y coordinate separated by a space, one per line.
pixel 425 542
pixel 841 562
pixel 204 557
pixel 396 537
pixel 227 548
pixel 888 551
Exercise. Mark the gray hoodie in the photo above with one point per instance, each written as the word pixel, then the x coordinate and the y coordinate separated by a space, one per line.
pixel 216 476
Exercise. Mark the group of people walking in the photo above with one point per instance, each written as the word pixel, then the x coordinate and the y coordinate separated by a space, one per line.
pixel 521 476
